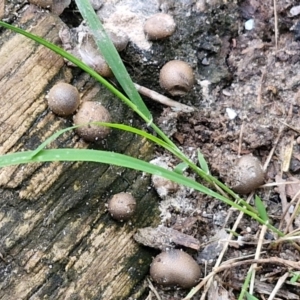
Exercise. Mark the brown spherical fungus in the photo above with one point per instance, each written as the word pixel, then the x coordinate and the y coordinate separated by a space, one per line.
pixel 176 77
pixel 122 206
pixel 163 186
pixel 119 38
pixel 175 268
pixel 92 112
pixel 159 26
pixel 63 99
pixel 90 55
pixel 247 175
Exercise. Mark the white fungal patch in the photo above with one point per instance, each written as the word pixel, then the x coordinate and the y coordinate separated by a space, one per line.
pixel 173 195
pixel 129 16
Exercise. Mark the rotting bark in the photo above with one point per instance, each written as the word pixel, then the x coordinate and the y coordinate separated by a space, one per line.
pixel 2 8
pixel 57 241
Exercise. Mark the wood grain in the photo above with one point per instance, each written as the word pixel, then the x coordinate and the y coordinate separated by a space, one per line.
pixel 56 239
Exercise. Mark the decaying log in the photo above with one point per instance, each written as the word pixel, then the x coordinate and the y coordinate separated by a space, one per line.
pixel 57 240
pixel 164 238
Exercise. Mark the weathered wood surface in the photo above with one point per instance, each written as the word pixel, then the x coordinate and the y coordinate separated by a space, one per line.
pixel 56 239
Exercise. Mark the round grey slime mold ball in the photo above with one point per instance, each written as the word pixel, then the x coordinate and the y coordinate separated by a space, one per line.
pixel 63 99
pixel 175 268
pixel 176 77
pixel 247 175
pixel 159 26
pixel 122 206
pixel 91 111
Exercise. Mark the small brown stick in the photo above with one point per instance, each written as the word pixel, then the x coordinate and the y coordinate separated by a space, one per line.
pixel 294 235
pixel 295 212
pixel 241 139
pixel 177 106
pixel 271 260
pixel 286 211
pixel 279 183
pixel 257 255
pixel 284 203
pixel 153 289
pixel 262 78
pixel 287 155
pixel 289 126
pixel 278 285
pixel 276 24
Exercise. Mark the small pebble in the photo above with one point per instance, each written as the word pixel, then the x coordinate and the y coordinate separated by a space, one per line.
pixel 231 113
pixel 249 25
pixel 295 11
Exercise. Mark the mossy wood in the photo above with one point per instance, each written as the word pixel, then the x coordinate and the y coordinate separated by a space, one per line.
pixel 57 240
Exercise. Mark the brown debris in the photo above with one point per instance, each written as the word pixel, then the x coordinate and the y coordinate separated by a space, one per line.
pixel 163 237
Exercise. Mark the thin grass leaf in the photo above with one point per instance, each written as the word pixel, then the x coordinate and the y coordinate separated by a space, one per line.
pixel 127 128
pixel 202 162
pixel 261 209
pixel 250 297
pixel 111 158
pixel 51 139
pixel 295 278
pixel 245 285
pixel 180 168
pixel 111 55
pixel 123 127
pixel 156 140
pixel 121 160
pixel 234 233
pixel 106 157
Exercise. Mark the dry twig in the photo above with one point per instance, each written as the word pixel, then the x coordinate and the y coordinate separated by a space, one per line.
pixel 280 282
pixel 284 203
pixel 276 24
pixel 257 255
pixel 153 289
pixel 241 139
pixel 177 106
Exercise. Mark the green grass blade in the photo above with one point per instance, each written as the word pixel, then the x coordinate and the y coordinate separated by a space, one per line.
pixel 123 127
pixel 180 168
pixel 111 158
pixel 250 297
pixel 107 158
pixel 121 160
pixel 245 285
pixel 295 278
pixel 111 55
pixel 202 162
pixel 99 156
pixel 261 209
